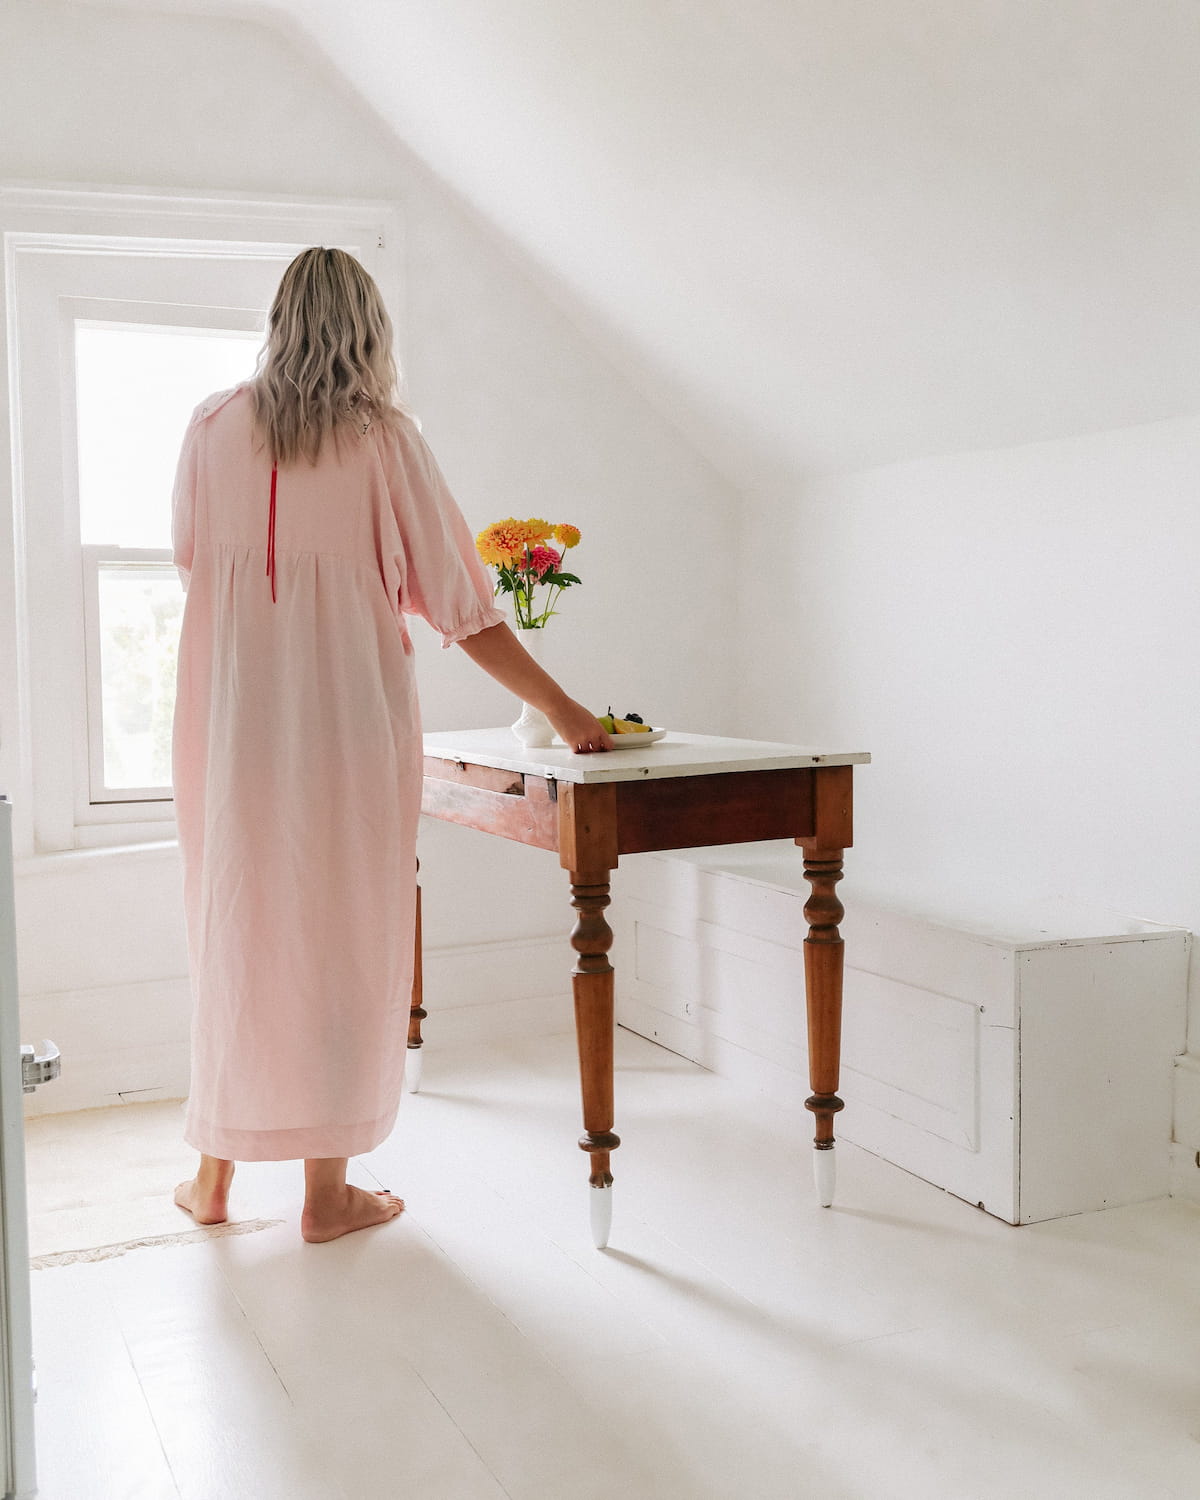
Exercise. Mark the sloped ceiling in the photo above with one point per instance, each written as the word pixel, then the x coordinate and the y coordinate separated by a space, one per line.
pixel 824 233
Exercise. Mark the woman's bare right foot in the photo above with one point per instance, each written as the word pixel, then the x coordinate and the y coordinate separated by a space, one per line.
pixel 332 1215
pixel 206 1196
pixel 206 1205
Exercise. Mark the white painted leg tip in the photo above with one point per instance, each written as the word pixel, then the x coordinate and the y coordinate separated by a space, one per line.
pixel 413 1066
pixel 600 1200
pixel 825 1176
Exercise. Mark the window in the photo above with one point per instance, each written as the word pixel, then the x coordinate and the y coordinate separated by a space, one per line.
pixel 135 387
pixel 122 312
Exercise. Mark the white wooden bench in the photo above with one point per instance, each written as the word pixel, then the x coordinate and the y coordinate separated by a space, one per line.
pixel 1025 1067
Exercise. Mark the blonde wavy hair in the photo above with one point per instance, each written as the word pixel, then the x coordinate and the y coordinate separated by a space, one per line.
pixel 328 359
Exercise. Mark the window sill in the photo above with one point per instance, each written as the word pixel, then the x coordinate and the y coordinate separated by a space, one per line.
pixel 122 831
pixel 80 860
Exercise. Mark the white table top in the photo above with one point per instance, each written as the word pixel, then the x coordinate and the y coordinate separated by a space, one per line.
pixel 678 754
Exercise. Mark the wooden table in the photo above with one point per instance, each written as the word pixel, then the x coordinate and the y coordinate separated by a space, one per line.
pixel 686 791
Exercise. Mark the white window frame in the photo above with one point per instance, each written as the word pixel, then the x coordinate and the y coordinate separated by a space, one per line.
pixel 45 641
pixel 94 797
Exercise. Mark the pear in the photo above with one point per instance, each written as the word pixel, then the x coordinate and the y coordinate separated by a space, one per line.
pixel 607 723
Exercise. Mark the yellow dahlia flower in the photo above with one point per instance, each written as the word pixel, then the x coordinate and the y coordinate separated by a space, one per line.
pixel 502 542
pixel 567 536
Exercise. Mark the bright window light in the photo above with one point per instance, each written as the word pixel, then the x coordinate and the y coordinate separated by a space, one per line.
pixel 140 611
pixel 136 387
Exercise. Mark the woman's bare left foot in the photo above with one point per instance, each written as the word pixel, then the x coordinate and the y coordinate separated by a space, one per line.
pixel 331 1215
pixel 206 1196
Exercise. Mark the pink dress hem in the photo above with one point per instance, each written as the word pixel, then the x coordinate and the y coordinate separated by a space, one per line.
pixel 288 1145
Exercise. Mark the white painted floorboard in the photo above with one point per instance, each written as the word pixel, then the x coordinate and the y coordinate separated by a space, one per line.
pixel 735 1340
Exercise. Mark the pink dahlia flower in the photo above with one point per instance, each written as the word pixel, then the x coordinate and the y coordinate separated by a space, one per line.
pixel 543 560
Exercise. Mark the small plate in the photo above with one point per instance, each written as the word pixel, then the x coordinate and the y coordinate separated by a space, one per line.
pixel 631 741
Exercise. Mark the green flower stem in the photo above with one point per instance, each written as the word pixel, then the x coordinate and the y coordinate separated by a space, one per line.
pixel 521 582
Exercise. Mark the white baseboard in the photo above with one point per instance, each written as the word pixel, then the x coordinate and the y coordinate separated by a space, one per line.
pixel 546 1015
pixel 129 1043
pixel 482 974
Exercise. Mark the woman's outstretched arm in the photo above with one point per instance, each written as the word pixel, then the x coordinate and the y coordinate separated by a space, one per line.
pixel 501 655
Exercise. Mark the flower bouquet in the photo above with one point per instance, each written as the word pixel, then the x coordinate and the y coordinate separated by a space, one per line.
pixel 525 562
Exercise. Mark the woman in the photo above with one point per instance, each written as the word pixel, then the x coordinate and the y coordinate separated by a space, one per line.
pixel 297 739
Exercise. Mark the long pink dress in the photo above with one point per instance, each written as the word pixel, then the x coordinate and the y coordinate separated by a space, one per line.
pixel 297 760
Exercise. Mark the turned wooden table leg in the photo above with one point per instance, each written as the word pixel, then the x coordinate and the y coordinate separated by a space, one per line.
pixel 592 983
pixel 417 1012
pixel 823 950
pixel 587 850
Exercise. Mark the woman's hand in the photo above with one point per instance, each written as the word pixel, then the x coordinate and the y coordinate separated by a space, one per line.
pixel 578 729
pixel 502 656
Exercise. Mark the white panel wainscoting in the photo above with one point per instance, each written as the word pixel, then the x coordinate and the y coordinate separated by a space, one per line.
pixel 478 992
pixel 128 1043
pixel 120 1043
pixel 1025 1068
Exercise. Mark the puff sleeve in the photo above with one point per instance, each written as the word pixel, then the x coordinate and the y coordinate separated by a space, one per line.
pixel 441 576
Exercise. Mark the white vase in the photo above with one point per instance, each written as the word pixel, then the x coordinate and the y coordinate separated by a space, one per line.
pixel 533 728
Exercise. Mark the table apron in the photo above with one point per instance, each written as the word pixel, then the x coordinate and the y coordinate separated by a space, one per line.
pixel 512 806
pixel 674 812
pixel 735 807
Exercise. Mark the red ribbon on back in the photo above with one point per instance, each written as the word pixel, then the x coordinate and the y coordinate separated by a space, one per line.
pixel 271 533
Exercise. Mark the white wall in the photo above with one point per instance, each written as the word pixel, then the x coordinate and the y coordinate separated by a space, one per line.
pixel 523 416
pixel 830 235
pixel 1013 634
